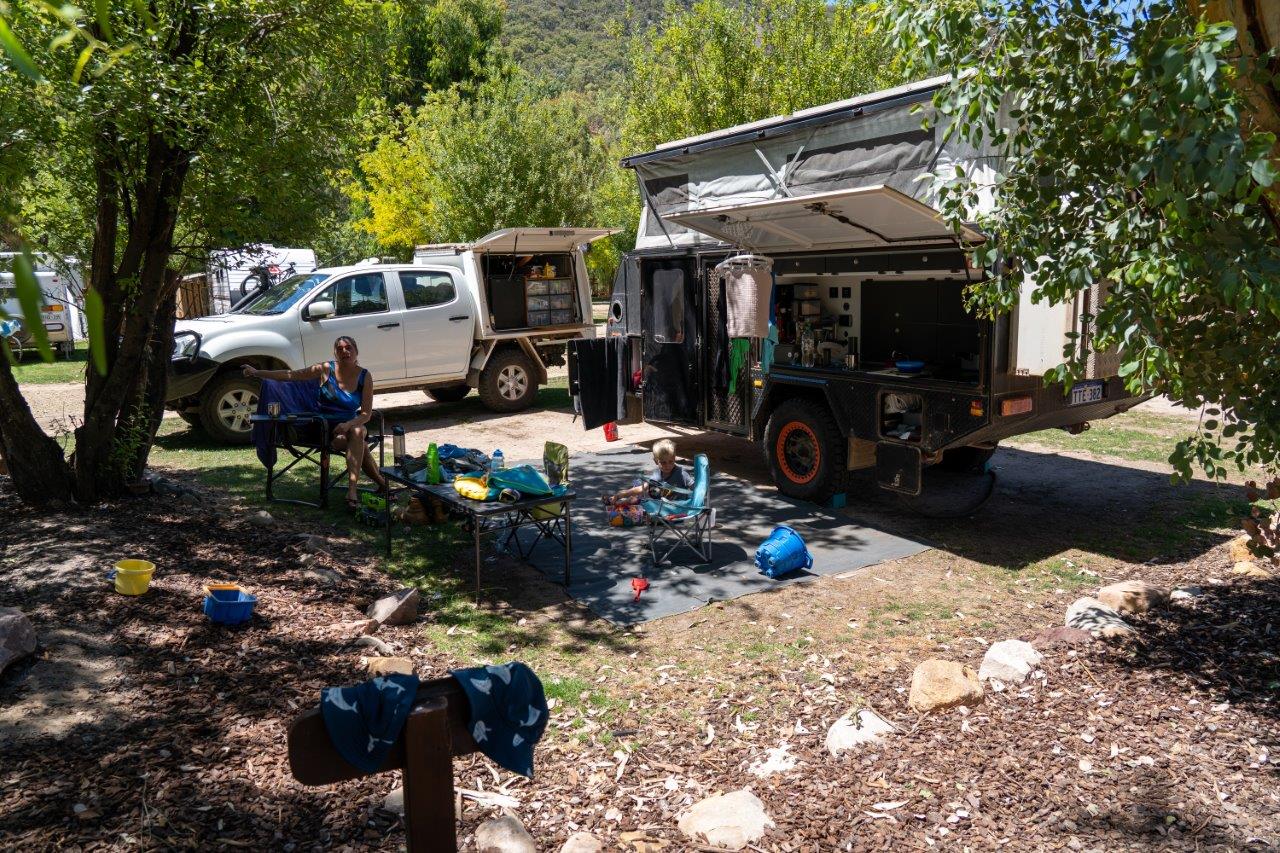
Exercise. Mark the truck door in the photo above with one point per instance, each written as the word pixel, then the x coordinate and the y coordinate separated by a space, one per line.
pixel 364 313
pixel 439 324
pixel 670 350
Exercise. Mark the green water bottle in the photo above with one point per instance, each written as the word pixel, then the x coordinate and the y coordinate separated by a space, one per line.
pixel 433 464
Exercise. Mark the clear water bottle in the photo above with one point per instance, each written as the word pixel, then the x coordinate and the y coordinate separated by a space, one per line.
pixel 496 462
pixel 397 445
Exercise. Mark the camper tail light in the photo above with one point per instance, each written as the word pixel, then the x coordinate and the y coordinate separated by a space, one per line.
pixel 976 408
pixel 1015 405
pixel 54 307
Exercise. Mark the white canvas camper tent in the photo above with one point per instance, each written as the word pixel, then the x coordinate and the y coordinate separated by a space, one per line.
pixel 871 357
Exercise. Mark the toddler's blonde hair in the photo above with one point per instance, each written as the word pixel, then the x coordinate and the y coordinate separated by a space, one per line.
pixel 664 449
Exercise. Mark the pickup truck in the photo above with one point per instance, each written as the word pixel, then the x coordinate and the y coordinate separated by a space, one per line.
pixel 489 315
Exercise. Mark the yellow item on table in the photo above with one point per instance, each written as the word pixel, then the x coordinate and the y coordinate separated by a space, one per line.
pixel 475 488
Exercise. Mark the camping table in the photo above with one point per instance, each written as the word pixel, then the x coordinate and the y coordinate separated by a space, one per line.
pixel 495 517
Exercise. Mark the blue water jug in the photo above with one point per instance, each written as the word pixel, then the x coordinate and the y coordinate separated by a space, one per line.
pixel 784 551
pixel 495 461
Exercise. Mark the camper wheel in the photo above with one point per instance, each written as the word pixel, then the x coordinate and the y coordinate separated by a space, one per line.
pixel 508 383
pixel 805 450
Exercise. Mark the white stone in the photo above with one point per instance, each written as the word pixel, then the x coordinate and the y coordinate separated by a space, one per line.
pixel 776 760
pixel 394 801
pixel 262 518
pixel 504 834
pixel 1090 614
pixel 1009 661
pixel 398 609
pixel 582 842
pixel 731 820
pixel 856 729
pixel 17 636
pixel 1186 593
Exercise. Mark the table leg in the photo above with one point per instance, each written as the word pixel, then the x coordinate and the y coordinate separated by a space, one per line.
pixel 568 545
pixel 475 526
pixel 324 476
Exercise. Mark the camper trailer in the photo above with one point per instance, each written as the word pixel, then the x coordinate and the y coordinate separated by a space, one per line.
pixel 866 357
pixel 61 305
pixel 237 275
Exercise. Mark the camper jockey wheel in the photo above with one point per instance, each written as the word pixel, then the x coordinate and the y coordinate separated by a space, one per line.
pixel 449 393
pixel 966 460
pixel 225 407
pixel 507 382
pixel 805 450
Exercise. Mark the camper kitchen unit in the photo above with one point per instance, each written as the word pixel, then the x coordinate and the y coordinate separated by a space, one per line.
pixel 792 283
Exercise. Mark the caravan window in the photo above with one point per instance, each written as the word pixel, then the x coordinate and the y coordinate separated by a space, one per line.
pixel 668 306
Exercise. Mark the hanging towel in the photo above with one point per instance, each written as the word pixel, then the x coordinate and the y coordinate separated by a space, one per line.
pixel 596 379
pixel 508 712
pixel 739 351
pixel 747 292
pixel 295 398
pixel 364 720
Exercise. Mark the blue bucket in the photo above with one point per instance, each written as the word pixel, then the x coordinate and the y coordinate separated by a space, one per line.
pixel 784 551
pixel 228 604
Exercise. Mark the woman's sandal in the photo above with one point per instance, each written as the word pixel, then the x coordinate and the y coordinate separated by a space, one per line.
pixel 353 503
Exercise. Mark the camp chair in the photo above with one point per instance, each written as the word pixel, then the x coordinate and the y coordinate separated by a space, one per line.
pixel 304 436
pixel 689 520
pixel 547 518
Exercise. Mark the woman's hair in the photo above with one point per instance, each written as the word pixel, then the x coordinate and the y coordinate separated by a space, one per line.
pixel 354 347
pixel 664 449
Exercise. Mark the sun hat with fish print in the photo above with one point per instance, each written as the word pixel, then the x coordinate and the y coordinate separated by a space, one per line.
pixel 508 712
pixel 364 720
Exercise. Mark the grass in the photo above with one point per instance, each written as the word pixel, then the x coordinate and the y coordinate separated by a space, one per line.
pixel 1136 436
pixel 32 371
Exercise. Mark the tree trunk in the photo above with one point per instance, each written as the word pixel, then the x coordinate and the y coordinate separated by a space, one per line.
pixel 148 409
pixel 39 472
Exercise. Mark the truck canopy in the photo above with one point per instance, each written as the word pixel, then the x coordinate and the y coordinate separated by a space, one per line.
pixel 703 188
pixel 523 240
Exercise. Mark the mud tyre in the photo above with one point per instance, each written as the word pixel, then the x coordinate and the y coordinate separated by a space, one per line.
pixel 805 451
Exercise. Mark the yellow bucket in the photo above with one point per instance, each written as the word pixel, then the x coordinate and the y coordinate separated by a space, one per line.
pixel 132 577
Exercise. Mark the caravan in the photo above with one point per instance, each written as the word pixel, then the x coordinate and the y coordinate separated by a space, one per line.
pixel 818 229
pixel 62 302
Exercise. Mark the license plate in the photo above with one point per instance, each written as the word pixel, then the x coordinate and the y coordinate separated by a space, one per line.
pixel 1086 392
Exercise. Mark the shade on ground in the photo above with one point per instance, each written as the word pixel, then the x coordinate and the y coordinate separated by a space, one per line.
pixel 605 559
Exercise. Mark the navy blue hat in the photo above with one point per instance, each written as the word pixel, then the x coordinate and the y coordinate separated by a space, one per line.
pixel 364 720
pixel 508 712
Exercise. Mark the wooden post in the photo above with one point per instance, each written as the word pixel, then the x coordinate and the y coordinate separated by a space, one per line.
pixel 429 819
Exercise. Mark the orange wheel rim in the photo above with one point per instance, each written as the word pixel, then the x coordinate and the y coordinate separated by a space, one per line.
pixel 798 452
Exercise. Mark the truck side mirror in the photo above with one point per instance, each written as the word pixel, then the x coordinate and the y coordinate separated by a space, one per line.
pixel 320 309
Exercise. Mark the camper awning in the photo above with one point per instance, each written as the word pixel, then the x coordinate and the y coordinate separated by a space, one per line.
pixel 539 240
pixel 857 218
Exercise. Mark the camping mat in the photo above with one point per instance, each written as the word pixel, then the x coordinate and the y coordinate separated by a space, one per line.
pixel 605 558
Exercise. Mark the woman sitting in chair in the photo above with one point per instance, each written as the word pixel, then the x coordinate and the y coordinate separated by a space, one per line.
pixel 346 389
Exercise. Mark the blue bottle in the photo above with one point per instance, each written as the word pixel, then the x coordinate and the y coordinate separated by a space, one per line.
pixel 496 462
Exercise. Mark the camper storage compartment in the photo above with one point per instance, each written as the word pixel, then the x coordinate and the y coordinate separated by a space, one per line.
pixel 528 291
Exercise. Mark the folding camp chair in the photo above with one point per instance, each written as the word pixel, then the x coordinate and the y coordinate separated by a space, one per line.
pixel 689 520
pixel 302 432
pixel 548 518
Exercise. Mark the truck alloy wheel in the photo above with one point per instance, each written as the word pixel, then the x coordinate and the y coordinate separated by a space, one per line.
pixel 805 450
pixel 507 383
pixel 226 405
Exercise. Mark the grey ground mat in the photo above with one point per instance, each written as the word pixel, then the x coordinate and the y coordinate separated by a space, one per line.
pixel 605 558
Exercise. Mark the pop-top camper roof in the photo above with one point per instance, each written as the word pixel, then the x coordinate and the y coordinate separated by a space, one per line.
pixel 840 175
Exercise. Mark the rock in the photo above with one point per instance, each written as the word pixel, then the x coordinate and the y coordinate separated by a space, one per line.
pixel 940 684
pixel 17 636
pixel 386 666
pixel 1186 593
pixel 375 644
pixel 398 609
pixel 1009 662
pixel 1250 570
pixel 504 834
pixel 731 820
pixel 1133 596
pixel 1239 550
pixel 358 628
pixel 1050 637
pixel 582 842
pixel 394 801
pixel 323 576
pixel 856 729
pixel 776 760
pixel 262 518
pixel 312 543
pixel 1090 614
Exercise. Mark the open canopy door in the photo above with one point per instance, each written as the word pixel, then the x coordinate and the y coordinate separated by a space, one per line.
pixel 537 241
pixel 867 217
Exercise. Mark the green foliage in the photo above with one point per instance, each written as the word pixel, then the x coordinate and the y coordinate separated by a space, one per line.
pixel 1129 158
pixel 442 43
pixel 718 64
pixel 514 155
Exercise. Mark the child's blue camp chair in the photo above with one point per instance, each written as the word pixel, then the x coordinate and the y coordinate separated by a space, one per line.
pixel 689 520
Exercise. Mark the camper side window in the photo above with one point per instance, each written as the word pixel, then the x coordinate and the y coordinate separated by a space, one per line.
pixel 424 289
pixel 668 306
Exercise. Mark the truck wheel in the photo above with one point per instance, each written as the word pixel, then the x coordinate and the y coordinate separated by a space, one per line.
pixel 225 407
pixel 449 393
pixel 805 450
pixel 507 383
pixel 966 460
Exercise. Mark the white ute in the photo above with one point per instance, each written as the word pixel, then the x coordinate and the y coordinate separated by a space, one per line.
pixel 489 315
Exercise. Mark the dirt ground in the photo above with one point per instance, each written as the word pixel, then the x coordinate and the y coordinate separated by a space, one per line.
pixel 140 725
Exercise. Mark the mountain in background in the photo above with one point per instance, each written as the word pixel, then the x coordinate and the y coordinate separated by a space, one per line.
pixel 574 42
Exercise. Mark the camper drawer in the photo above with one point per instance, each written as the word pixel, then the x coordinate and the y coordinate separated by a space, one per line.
pixel 535 288
pixel 560 301
pixel 560 285
pixel 539 318
pixel 808 307
pixel 804 291
pixel 537 303
pixel 561 318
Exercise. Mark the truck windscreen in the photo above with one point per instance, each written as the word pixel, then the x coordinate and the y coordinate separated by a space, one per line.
pixel 284 295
